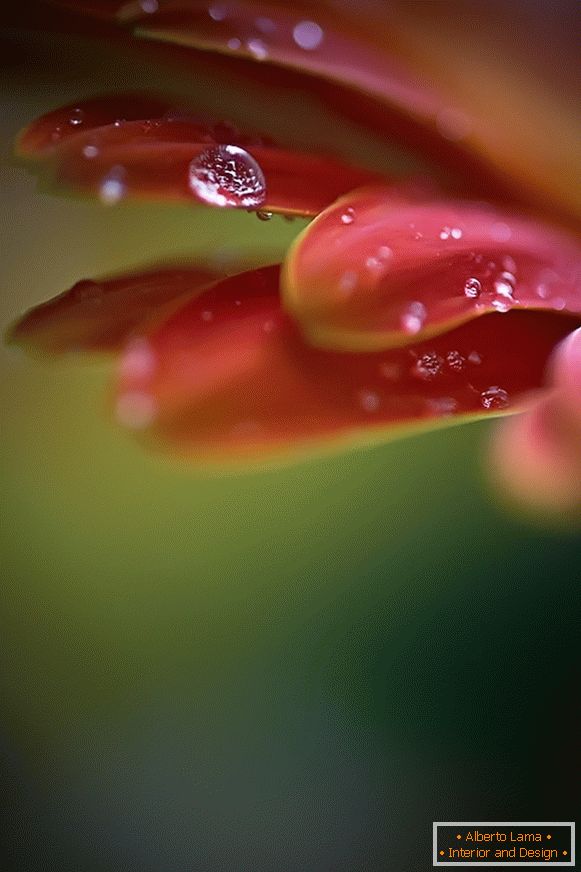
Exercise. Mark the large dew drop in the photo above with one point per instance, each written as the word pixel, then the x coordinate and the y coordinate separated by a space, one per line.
pixel 226 175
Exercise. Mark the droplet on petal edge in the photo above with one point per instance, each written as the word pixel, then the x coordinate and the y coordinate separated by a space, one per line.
pixel 494 398
pixel 227 176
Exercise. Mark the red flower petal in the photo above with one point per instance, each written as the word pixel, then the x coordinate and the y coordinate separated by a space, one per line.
pixel 228 376
pixel 134 145
pixel 102 315
pixel 366 55
pixel 373 272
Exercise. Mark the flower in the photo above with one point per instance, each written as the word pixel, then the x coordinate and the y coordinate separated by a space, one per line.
pixel 424 296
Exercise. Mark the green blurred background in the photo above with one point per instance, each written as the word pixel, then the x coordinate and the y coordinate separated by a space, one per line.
pixel 287 671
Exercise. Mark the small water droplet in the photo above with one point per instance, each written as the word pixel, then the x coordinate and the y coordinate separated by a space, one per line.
pixel 501 306
pixel 455 361
pixel 268 326
pixel 207 315
pixel 369 401
pixel 543 291
pixel 234 44
pixel 500 232
pixel 495 398
pixel 262 215
pixel 559 304
pixel 56 135
pixel 445 233
pixel 217 13
pixel 77 117
pixel 308 35
pixel 384 252
pixel 113 188
pixel 149 6
pixel 509 264
pixel 348 216
pixel 428 366
pixel 504 285
pixel 226 175
pixel 257 49
pixel 90 151
pixel 475 358
pixel 348 282
pixel 414 317
pixel 139 361
pixel 472 288
pixel 456 233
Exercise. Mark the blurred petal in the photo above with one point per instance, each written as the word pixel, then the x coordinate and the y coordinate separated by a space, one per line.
pixel 229 377
pixel 374 271
pixel 101 315
pixel 536 461
pixel 135 145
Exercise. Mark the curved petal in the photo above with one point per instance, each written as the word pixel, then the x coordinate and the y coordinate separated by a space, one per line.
pixel 135 145
pixel 379 61
pixel 229 377
pixel 101 315
pixel 374 271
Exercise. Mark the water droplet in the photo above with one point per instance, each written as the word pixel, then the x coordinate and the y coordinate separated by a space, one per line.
pixel 56 135
pixel 268 326
pixel 207 315
pixel 504 285
pixel 456 233
pixel 500 232
pixel 90 151
pixel 509 263
pixel 543 291
pixel 475 358
pixel 428 366
pixel 149 6
pixel 113 188
pixel 139 360
pixel 234 44
pixel 136 409
pixel 77 117
pixel 262 215
pixel 494 398
pixel 308 35
pixel 369 401
pixel 348 216
pixel 472 288
pixel 348 282
pixel 257 49
pixel 455 361
pixel 226 175
pixel 559 304
pixel 217 13
pixel 445 233
pixel 414 317
pixel 501 306
pixel 384 252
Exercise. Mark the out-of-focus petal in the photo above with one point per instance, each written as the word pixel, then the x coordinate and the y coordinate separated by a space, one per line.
pixel 139 146
pixel 229 377
pixel 566 373
pixel 535 461
pixel 374 271
pixel 101 315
